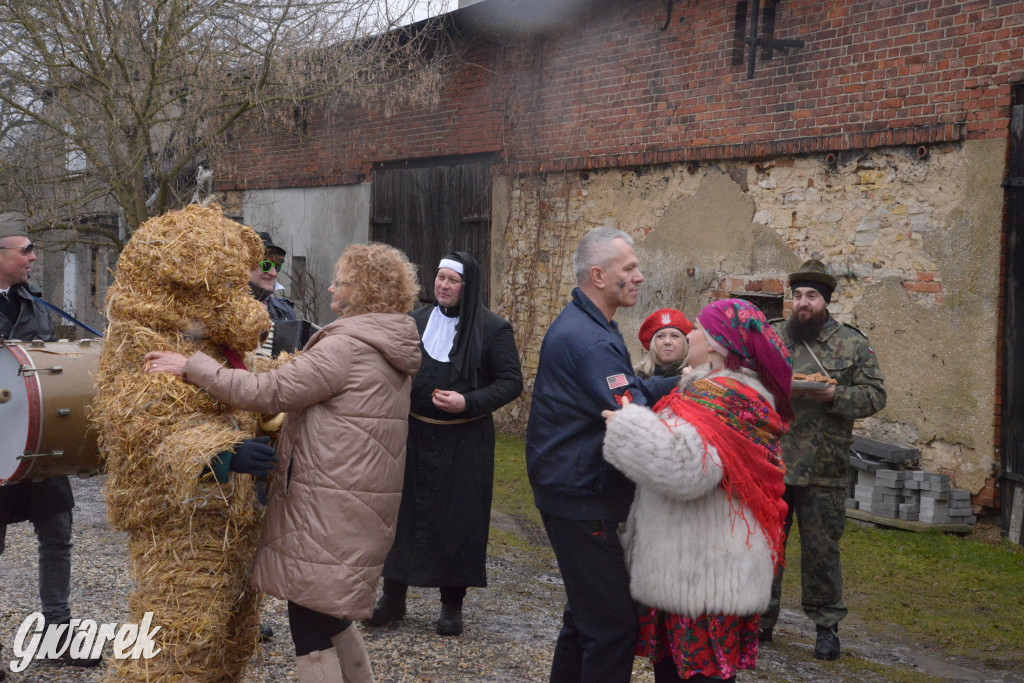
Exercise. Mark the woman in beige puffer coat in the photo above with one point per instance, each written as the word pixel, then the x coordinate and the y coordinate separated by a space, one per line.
pixel 333 503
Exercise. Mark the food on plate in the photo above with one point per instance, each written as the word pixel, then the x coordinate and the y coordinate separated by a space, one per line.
pixel 816 377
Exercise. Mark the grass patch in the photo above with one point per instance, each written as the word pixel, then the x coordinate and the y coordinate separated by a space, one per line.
pixel 960 594
pixel 512 492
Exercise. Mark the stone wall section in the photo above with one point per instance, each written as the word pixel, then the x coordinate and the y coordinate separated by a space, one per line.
pixel 875 217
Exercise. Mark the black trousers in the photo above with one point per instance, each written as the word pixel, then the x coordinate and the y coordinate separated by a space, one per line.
pixel 312 631
pixel 599 625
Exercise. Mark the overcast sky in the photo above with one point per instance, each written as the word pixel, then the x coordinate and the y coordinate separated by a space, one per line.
pixel 438 7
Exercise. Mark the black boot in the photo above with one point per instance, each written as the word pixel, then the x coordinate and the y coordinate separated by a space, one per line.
pixel 450 623
pixel 66 656
pixel 388 608
pixel 827 646
pixel 764 635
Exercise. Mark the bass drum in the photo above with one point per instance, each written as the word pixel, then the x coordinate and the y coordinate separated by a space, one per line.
pixel 45 389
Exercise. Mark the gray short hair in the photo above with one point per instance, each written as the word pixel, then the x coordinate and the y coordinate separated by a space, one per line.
pixel 595 249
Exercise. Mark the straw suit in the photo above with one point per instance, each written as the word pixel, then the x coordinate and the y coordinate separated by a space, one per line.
pixel 181 285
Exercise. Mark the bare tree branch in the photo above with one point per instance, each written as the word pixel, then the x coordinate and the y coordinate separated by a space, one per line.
pixel 110 106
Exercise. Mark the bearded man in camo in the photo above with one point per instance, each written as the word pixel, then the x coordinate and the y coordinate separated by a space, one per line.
pixel 816 449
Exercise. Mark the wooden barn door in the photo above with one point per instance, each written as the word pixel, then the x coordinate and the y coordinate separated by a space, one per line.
pixel 430 208
pixel 1012 490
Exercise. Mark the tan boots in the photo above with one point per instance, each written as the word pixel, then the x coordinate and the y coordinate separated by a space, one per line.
pixel 322 666
pixel 347 662
pixel 355 661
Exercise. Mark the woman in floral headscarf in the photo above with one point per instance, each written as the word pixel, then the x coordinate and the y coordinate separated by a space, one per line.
pixel 704 534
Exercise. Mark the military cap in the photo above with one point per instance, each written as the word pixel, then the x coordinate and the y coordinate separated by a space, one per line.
pixel 12 224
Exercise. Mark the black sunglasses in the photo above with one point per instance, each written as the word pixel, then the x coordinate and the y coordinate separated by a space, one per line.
pixel 25 250
pixel 267 266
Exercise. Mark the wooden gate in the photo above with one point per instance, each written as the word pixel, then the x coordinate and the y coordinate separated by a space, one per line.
pixel 1012 489
pixel 430 208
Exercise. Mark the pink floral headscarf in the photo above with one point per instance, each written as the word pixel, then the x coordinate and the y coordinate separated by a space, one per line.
pixel 741 329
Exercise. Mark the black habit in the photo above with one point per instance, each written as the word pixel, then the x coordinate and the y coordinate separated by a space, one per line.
pixel 443 522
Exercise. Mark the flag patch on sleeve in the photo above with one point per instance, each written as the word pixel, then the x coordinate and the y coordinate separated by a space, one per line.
pixel 616 381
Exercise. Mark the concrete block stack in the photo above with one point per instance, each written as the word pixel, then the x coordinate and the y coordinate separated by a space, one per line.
pixel 911 496
pixel 883 496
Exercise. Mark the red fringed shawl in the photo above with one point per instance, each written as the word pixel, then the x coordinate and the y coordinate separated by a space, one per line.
pixel 745 431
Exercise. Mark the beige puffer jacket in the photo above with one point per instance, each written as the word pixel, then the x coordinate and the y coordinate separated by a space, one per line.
pixel 333 503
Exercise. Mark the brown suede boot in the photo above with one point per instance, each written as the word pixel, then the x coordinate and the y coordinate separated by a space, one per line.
pixel 319 667
pixel 355 661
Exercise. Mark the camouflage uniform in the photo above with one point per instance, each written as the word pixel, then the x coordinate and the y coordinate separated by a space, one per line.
pixel 817 454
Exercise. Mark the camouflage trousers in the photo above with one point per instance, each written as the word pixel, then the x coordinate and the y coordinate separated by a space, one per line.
pixel 821 517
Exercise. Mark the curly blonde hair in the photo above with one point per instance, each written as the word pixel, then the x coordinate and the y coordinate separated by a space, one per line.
pixel 382 279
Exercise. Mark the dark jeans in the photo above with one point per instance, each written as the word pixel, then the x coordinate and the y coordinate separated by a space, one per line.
pixel 599 625
pixel 449 594
pixel 311 630
pixel 54 536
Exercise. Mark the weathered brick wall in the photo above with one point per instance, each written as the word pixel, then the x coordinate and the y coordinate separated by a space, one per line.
pixel 776 163
pixel 613 90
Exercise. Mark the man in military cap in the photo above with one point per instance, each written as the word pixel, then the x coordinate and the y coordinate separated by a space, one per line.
pixel 816 449
pixel 47 503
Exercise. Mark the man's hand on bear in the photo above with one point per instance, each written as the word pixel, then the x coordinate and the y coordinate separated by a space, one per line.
pixel 254 456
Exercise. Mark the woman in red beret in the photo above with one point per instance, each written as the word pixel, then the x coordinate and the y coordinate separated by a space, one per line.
pixel 663 335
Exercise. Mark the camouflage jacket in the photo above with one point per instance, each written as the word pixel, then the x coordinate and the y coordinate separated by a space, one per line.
pixel 817 447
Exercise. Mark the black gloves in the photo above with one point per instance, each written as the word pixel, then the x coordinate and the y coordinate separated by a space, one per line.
pixel 254 456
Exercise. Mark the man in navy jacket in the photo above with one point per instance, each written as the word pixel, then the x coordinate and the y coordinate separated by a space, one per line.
pixel 585 368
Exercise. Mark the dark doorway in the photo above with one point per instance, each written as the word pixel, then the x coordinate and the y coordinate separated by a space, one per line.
pixel 432 207
pixel 1012 438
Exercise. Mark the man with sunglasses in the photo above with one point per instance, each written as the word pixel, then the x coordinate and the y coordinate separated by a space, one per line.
pixel 263 281
pixel 47 503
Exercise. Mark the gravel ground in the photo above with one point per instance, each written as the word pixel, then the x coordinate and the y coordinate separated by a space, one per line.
pixel 510 626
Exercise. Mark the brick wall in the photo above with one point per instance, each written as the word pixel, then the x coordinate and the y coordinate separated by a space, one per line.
pixel 613 89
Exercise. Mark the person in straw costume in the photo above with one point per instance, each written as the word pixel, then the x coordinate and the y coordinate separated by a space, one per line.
pixel 704 533
pixel 179 462
pixel 333 504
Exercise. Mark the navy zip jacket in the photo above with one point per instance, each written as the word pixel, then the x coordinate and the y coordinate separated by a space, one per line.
pixel 584 368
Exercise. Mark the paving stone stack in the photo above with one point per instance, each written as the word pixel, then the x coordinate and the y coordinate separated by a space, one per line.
pixel 911 496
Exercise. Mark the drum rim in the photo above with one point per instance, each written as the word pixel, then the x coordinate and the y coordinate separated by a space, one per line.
pixel 35 415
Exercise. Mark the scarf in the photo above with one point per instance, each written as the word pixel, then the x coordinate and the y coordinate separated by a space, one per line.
pixel 746 432
pixel 741 329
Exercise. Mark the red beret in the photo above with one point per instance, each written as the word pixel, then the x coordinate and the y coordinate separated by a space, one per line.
pixel 665 317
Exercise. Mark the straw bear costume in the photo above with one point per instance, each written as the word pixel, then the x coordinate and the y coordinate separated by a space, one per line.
pixel 182 285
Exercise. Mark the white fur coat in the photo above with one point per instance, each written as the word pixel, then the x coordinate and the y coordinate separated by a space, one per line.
pixel 686 552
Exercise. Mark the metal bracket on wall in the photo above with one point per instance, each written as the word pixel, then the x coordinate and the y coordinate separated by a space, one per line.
pixel 754 41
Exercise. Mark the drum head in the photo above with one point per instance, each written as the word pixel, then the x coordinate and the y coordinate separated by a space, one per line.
pixel 15 414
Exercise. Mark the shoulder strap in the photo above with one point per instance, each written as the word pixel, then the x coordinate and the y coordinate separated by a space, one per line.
pixel 815 357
